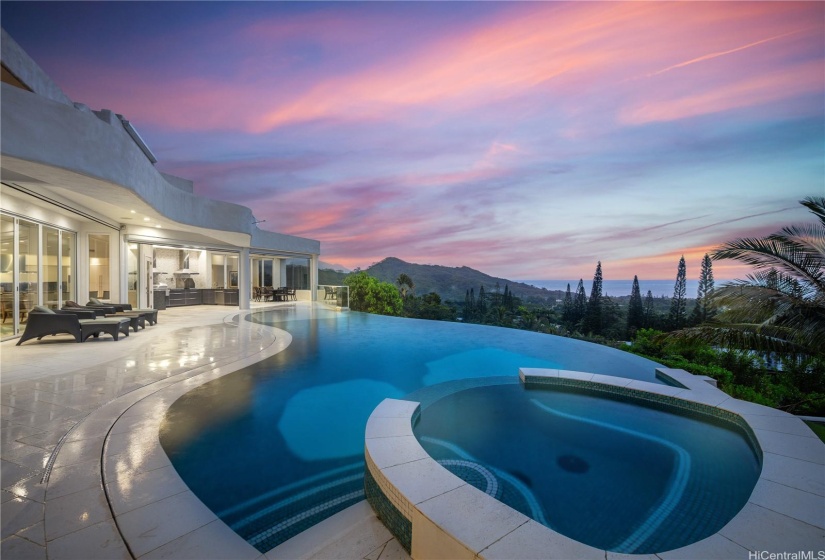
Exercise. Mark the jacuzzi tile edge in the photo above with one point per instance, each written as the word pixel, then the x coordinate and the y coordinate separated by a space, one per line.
pixel 418 501
pixel 689 399
pixel 431 511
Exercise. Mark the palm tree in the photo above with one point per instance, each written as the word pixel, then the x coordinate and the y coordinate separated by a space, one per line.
pixel 781 306
pixel 405 284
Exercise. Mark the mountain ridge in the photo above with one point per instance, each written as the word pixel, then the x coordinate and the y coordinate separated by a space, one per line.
pixel 452 283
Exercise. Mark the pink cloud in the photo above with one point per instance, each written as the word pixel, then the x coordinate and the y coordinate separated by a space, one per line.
pixel 559 52
pixel 773 85
pixel 551 52
pixel 441 146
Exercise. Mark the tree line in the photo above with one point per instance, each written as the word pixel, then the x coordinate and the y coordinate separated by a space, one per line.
pixel 594 317
pixel 761 338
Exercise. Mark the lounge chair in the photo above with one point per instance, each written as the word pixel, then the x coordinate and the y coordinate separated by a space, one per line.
pixel 89 316
pixel 43 321
pixel 149 314
pixel 136 319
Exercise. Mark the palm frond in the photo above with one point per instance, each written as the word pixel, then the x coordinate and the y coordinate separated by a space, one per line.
pixel 812 235
pixel 816 204
pixel 803 251
pixel 784 255
pixel 741 336
pixel 780 307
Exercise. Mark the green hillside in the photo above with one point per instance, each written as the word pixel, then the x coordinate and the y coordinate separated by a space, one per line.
pixel 452 283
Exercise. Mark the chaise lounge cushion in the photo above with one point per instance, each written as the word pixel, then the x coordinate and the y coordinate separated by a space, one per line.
pixel 150 314
pixel 135 319
pixel 112 326
pixel 104 306
pixel 74 306
pixel 120 307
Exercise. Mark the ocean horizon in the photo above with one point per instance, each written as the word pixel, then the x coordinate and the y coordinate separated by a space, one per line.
pixel 620 287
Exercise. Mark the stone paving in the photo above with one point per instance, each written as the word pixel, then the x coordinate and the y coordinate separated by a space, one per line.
pixel 83 475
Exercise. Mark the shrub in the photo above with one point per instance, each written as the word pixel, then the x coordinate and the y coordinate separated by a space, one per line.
pixel 368 294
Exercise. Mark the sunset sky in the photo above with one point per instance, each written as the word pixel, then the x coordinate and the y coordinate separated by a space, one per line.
pixel 527 140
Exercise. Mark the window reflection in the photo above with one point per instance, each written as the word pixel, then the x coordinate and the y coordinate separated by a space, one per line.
pixel 28 246
pixel 297 274
pixel 99 266
pixel 7 274
pixel 51 267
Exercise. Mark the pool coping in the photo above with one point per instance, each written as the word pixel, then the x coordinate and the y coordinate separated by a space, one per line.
pixel 137 504
pixel 451 519
pixel 110 490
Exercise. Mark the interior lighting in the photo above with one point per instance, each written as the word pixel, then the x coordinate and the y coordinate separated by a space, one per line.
pixel 157 226
pixel 132 211
pixel 147 219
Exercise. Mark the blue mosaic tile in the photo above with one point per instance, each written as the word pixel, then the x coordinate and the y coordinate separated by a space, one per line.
pixel 393 519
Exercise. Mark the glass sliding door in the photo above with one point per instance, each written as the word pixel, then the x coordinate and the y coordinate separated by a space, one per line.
pixel 99 266
pixel 218 271
pixel 37 263
pixel 68 265
pixel 268 273
pixel 28 278
pixel 297 274
pixel 225 271
pixel 255 274
pixel 7 281
pixel 232 271
pixel 51 267
pixel 265 274
pixel 132 274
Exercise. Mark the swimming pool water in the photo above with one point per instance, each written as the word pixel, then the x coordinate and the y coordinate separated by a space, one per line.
pixel 613 474
pixel 278 446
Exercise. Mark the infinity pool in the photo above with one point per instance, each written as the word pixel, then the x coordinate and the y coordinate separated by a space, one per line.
pixel 630 477
pixel 278 446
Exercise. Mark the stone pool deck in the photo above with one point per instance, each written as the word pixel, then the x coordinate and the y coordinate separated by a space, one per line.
pixel 83 474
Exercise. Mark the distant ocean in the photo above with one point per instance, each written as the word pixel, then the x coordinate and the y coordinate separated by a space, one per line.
pixel 619 287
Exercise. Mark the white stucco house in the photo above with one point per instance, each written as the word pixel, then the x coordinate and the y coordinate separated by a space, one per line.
pixel 86 213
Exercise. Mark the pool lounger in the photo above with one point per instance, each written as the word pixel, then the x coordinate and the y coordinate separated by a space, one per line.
pixel 43 321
